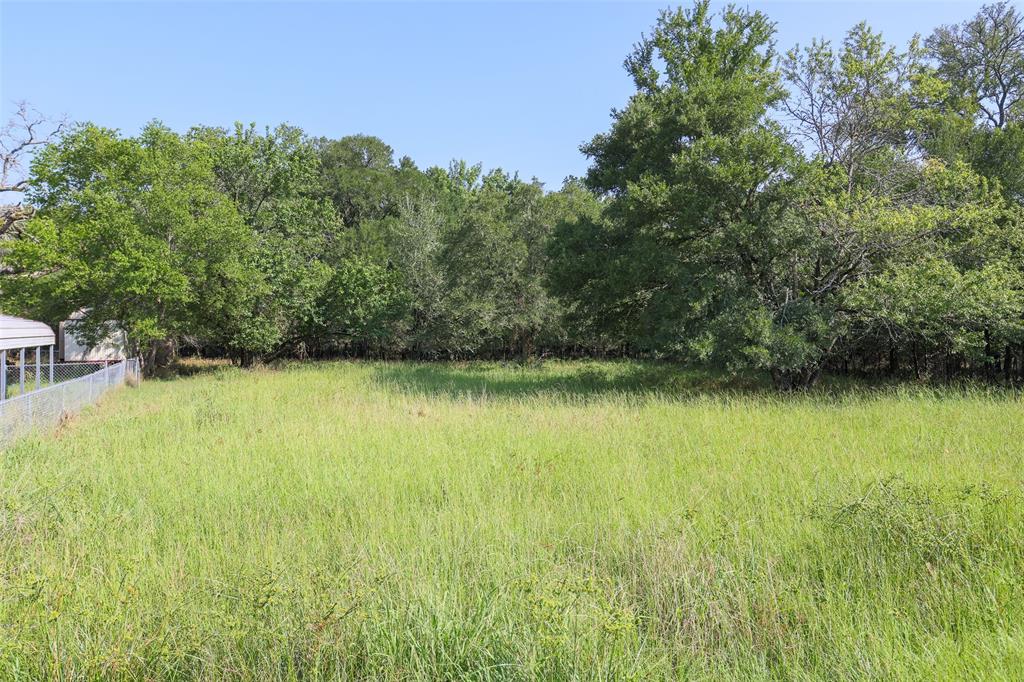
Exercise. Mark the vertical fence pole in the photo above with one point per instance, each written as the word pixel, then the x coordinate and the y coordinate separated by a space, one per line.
pixel 51 364
pixel 21 372
pixel 39 367
pixel 3 375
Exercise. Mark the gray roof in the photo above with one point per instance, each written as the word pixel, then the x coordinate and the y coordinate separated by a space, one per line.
pixel 17 332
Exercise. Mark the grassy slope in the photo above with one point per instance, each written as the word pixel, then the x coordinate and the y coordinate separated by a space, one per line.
pixel 404 521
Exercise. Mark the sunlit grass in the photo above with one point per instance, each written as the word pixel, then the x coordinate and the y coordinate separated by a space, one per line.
pixel 576 520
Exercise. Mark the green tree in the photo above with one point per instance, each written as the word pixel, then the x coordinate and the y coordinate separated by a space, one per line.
pixel 362 307
pixel 359 177
pixel 976 114
pixel 853 108
pixel 982 60
pixel 274 181
pixel 953 290
pixel 699 180
pixel 474 257
pixel 132 231
pixel 419 235
pixel 891 222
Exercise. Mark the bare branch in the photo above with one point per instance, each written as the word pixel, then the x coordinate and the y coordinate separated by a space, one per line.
pixel 26 130
pixel 983 60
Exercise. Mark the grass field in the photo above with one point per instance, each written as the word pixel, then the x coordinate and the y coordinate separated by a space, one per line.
pixel 573 521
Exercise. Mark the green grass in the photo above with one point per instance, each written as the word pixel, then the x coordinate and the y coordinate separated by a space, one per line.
pixel 574 521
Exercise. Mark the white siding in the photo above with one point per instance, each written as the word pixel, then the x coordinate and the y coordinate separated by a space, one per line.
pixel 72 349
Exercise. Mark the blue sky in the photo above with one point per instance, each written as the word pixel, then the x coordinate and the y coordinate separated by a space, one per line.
pixel 515 85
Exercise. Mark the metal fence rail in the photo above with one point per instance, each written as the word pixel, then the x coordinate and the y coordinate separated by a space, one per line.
pixel 45 407
pixel 36 378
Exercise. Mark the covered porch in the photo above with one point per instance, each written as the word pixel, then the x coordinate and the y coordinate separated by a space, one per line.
pixel 20 337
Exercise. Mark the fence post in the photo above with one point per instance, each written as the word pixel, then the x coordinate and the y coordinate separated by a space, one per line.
pixel 3 374
pixel 21 372
pixel 39 367
pixel 51 364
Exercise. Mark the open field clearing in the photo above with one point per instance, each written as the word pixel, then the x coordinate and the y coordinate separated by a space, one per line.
pixel 576 521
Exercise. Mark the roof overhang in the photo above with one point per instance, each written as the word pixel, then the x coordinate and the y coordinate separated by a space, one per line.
pixel 17 332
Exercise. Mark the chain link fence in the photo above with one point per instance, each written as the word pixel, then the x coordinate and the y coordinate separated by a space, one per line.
pixel 74 386
pixel 35 380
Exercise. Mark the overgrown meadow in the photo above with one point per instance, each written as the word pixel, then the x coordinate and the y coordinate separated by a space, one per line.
pixel 481 521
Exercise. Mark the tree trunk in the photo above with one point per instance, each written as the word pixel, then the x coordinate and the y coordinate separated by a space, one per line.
pixel 526 347
pixel 990 359
pixel 794 380
pixel 159 353
pixel 149 360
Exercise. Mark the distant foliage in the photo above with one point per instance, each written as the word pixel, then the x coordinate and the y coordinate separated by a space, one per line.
pixel 854 208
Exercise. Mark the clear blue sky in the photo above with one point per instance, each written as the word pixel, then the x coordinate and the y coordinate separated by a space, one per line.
pixel 516 85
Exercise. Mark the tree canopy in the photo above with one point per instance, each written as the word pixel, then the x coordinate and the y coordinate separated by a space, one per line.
pixel 851 207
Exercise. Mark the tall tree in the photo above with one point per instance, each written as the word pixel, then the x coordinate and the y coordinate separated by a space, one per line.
pixel 888 220
pixel 359 177
pixel 130 230
pixel 698 179
pixel 977 114
pixel 983 61
pixel 853 108
pixel 273 179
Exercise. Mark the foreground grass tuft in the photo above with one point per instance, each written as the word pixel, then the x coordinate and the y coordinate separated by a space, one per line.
pixel 480 521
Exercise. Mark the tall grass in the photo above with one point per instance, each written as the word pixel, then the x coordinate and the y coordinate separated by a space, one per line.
pixel 573 521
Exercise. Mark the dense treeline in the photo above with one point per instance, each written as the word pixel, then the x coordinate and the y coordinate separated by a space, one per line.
pixel 258 244
pixel 852 207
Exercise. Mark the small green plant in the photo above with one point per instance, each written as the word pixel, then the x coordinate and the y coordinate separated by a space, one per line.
pixel 929 526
